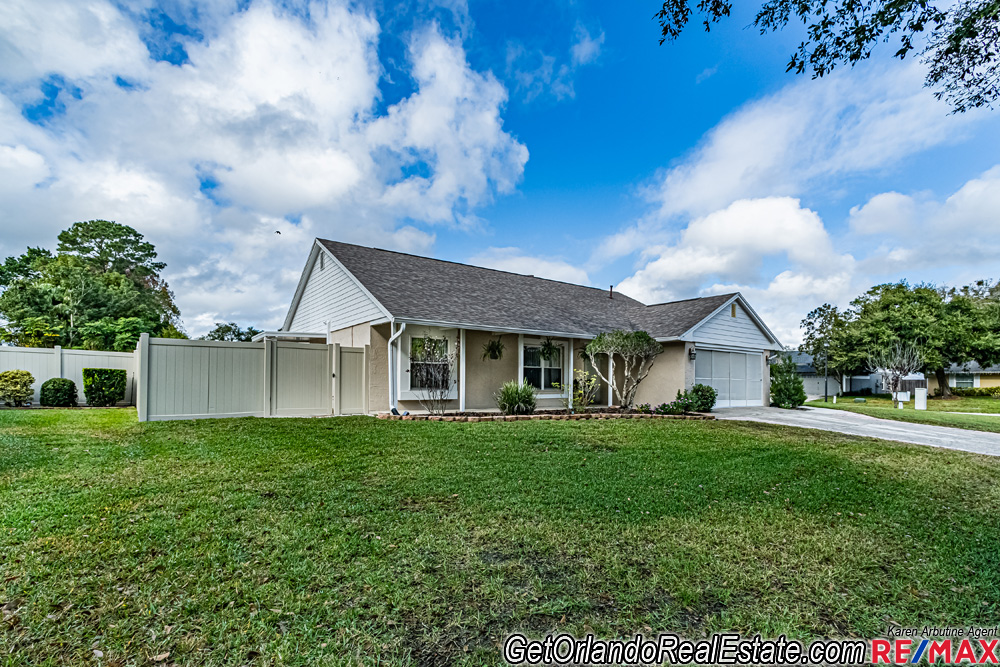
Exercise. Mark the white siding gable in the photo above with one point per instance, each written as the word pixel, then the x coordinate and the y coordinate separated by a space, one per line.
pixel 724 329
pixel 332 298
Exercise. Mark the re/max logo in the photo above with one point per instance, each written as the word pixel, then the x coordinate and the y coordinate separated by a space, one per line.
pixel 902 651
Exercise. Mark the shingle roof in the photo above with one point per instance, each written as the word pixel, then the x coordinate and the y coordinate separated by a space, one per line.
pixel 973 367
pixel 422 288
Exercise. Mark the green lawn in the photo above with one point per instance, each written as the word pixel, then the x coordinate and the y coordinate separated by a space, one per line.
pixel 354 540
pixel 937 413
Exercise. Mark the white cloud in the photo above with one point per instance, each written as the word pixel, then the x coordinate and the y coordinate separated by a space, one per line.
pixel 807 133
pixel 587 48
pixel 273 118
pixel 515 261
pixel 535 73
pixel 736 248
pixel 960 233
pixel 886 212
pixel 726 216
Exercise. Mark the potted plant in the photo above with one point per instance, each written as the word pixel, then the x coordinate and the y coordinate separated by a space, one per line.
pixel 493 349
pixel 548 350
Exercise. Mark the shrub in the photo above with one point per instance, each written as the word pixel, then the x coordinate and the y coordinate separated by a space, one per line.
pixel 702 397
pixel 58 393
pixel 644 408
pixel 786 385
pixel 515 399
pixel 104 386
pixel 15 387
pixel 975 392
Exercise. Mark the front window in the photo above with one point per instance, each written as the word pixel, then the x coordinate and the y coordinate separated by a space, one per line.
pixel 429 363
pixel 964 381
pixel 543 373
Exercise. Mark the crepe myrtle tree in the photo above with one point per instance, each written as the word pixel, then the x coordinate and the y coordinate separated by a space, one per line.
pixel 432 373
pixel 893 363
pixel 636 349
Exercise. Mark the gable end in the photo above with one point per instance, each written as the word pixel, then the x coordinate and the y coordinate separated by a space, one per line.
pixel 329 296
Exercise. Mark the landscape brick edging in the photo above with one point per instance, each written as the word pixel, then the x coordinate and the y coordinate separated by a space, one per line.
pixel 542 416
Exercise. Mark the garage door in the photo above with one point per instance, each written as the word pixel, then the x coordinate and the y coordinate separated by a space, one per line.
pixel 737 377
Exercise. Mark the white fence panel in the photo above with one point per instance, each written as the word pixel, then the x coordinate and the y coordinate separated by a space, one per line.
pixel 47 363
pixel 197 379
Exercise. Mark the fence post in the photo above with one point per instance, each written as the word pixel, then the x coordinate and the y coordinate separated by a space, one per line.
pixel 364 380
pixel 336 378
pixel 141 381
pixel 268 374
pixel 57 362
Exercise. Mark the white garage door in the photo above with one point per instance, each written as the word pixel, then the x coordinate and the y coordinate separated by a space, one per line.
pixel 736 376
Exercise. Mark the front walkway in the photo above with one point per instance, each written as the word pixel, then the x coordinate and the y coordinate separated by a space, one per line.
pixel 853 423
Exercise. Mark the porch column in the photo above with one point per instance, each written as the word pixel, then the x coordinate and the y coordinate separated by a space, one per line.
pixel 611 380
pixel 461 370
pixel 520 358
pixel 569 383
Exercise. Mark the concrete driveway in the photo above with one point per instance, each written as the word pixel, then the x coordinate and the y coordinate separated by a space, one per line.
pixel 852 423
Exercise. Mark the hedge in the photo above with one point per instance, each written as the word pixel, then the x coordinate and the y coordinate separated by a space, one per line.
pixel 104 386
pixel 58 393
pixel 975 392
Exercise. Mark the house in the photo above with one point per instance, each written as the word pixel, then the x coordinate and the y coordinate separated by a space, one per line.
pixel 967 376
pixel 817 386
pixel 379 306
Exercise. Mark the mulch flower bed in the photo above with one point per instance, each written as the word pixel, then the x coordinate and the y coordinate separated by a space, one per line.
pixel 554 416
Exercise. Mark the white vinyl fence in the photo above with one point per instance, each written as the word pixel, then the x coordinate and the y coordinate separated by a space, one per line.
pixel 46 363
pixel 197 379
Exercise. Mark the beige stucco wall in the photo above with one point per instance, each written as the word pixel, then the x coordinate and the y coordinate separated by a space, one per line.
pixel 984 381
pixel 483 378
pixel 672 371
pixel 378 368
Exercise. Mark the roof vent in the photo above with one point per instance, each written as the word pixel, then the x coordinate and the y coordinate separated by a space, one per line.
pixel 611 291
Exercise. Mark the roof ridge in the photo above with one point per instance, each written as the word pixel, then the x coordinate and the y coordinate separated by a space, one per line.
pixel 472 266
pixel 693 298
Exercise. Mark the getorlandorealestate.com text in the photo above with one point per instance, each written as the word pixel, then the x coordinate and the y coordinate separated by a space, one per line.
pixel 951 646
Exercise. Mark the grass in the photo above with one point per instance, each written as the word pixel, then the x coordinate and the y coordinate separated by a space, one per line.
pixel 938 411
pixel 359 541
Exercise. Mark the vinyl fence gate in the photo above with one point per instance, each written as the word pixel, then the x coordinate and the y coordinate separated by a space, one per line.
pixel 198 379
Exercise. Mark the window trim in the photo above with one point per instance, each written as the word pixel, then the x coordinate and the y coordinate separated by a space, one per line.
pixel 406 392
pixel 564 352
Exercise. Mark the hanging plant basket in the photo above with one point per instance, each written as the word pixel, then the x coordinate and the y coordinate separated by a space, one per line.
pixel 548 350
pixel 493 349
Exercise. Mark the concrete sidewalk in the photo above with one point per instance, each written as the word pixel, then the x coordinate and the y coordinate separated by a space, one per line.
pixel 852 423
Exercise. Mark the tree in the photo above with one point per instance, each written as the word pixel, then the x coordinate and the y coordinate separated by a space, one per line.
pixel 787 390
pixel 109 246
pixel 946 328
pixel 894 362
pixel 962 50
pixel 826 341
pixel 636 350
pixel 231 331
pixel 23 268
pixel 103 272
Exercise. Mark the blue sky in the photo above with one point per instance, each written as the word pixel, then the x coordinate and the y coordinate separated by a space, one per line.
pixel 558 139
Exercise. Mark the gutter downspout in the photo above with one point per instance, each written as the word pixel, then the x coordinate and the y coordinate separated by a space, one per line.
pixel 393 393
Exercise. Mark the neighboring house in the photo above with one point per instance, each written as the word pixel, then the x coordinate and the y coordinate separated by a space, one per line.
pixel 384 303
pixel 816 385
pixel 967 376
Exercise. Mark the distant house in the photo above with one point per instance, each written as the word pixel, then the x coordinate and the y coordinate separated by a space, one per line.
pixel 967 376
pixel 387 304
pixel 815 383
